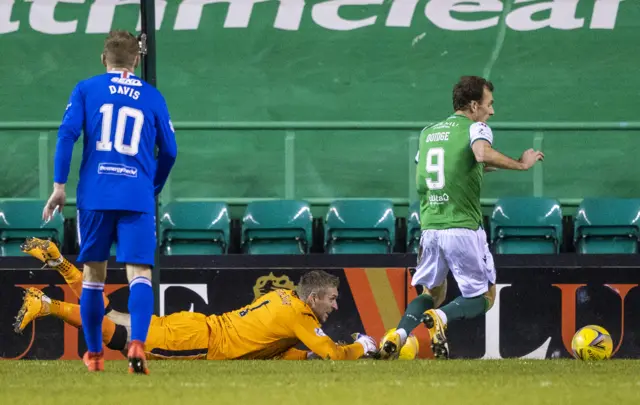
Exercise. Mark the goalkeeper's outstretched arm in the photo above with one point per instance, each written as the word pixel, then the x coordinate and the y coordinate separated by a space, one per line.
pixel 309 332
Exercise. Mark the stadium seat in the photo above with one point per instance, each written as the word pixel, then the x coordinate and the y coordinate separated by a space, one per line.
pixel 22 219
pixel 413 228
pixel 526 225
pixel 360 227
pixel 277 227
pixel 607 225
pixel 195 228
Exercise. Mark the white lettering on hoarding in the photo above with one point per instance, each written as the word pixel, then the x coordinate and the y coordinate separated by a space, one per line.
pixel 6 25
pixel 42 17
pixel 492 333
pixel 449 15
pixel 326 15
pixel 200 289
pixel 439 13
pixel 562 16
pixel 238 14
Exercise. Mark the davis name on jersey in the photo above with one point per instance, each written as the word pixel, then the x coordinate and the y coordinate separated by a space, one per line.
pixel 123 88
pixel 123 119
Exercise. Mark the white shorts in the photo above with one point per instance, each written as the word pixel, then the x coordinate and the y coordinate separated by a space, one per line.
pixel 464 252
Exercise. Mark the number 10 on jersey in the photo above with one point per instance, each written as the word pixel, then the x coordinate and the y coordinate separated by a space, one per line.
pixel 435 166
pixel 105 144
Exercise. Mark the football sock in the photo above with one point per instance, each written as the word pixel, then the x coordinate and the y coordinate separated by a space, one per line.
pixel 108 329
pixel 70 313
pixel 465 308
pixel 140 307
pixel 415 312
pixel 92 314
pixel 72 276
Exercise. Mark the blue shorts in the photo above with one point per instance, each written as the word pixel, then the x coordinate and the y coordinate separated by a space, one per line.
pixel 133 232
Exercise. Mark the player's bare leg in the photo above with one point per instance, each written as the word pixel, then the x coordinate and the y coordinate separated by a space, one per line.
pixel 47 252
pixel 139 279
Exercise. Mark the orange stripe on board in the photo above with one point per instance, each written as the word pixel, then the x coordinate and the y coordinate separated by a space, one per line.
pixel 385 298
pixel 397 279
pixel 365 302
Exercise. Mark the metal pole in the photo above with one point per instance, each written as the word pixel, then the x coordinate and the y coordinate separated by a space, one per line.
pixel 148 50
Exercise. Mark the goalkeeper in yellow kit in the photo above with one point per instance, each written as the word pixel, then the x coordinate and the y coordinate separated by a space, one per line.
pixel 268 328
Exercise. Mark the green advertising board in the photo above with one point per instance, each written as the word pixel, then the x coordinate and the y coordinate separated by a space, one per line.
pixel 340 60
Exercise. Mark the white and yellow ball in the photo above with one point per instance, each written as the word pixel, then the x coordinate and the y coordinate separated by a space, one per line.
pixel 410 349
pixel 592 342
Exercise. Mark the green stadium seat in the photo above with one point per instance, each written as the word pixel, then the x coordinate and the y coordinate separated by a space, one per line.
pixel 22 219
pixel 195 228
pixel 413 228
pixel 364 226
pixel 526 225
pixel 607 226
pixel 277 227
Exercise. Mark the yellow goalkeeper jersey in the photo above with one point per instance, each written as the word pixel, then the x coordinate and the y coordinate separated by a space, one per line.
pixel 269 328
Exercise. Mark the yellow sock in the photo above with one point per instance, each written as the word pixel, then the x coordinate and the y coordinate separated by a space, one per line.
pixel 70 313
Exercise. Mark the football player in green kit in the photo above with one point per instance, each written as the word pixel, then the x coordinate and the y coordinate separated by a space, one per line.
pixel 453 154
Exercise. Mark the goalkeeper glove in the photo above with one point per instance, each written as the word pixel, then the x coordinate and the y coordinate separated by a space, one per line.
pixel 367 342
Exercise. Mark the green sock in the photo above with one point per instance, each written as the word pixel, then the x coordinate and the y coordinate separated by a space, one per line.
pixel 465 308
pixel 413 315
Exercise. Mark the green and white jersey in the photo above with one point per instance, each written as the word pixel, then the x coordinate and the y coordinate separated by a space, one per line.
pixel 448 177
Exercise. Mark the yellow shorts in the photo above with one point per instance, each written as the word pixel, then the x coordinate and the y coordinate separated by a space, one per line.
pixel 183 335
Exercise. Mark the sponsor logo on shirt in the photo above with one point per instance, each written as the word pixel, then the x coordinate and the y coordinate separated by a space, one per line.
pixel 117 169
pixel 435 199
pixel 127 80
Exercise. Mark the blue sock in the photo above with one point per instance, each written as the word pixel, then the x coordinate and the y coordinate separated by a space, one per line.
pixel 140 307
pixel 92 313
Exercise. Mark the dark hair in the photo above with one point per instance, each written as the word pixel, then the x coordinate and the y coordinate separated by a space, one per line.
pixel 316 281
pixel 468 89
pixel 121 48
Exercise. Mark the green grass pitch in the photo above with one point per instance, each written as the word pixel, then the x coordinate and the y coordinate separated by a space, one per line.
pixel 450 382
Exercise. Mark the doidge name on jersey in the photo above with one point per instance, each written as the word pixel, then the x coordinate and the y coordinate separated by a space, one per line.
pixel 438 136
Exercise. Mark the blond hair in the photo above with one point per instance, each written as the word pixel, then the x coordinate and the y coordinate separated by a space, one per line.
pixel 316 281
pixel 121 49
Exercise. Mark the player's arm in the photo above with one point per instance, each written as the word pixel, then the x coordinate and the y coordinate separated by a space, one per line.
pixel 68 133
pixel 481 139
pixel 295 354
pixel 308 331
pixel 167 147
pixel 489 169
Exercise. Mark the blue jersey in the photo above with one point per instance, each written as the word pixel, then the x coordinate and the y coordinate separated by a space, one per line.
pixel 123 119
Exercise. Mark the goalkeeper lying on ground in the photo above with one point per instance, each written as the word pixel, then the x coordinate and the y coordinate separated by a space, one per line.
pixel 268 328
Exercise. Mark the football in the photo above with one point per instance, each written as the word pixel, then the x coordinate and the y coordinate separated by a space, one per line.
pixel 592 342
pixel 410 349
